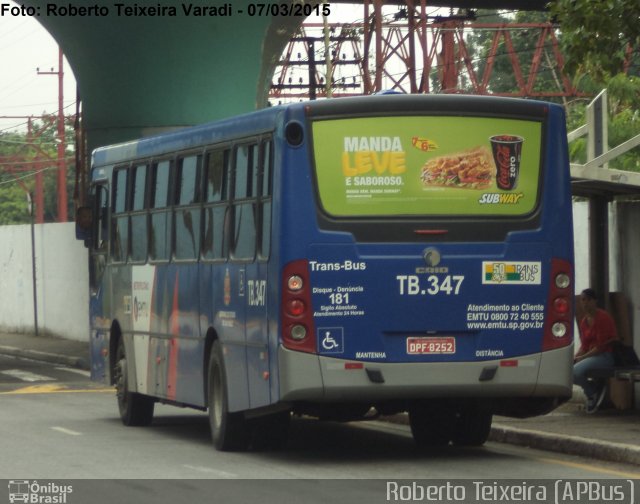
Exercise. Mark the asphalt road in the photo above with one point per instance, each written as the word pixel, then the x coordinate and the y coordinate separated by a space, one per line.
pixel 61 426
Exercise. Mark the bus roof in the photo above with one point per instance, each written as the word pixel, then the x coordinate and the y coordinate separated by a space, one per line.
pixel 262 121
pixel 188 137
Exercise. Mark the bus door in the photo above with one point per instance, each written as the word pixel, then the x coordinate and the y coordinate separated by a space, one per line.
pixel 99 300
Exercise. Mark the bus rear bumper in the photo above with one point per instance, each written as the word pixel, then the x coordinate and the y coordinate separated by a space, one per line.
pixel 313 378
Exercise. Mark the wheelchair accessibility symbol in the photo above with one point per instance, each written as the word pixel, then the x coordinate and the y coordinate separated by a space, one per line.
pixel 331 339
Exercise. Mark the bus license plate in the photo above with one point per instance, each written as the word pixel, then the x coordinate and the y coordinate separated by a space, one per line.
pixel 443 345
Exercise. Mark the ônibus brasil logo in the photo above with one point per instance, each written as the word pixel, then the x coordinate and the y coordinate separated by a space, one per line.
pixel 37 493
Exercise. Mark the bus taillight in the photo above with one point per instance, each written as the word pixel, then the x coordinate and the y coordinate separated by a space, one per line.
pixel 298 332
pixel 561 305
pixel 296 307
pixel 558 325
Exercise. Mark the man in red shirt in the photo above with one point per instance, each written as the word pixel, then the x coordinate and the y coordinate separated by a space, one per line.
pixel 597 333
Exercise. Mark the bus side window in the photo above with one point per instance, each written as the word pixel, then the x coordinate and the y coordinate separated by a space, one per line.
pixel 241 175
pixel 216 203
pixel 120 222
pixel 254 170
pixel 264 207
pixel 139 215
pixel 244 218
pixel 99 237
pixel 187 217
pixel 101 211
pixel 160 229
pixel 217 165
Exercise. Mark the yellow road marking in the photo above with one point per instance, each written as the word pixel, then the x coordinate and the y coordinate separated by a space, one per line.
pixel 589 467
pixel 53 389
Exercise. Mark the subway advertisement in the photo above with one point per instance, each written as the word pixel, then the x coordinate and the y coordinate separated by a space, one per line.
pixel 429 165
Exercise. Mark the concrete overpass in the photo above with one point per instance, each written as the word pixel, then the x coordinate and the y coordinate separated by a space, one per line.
pixel 140 71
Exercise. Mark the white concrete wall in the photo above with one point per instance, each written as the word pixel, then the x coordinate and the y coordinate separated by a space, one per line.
pixel 62 283
pixel 581 244
pixel 626 229
pixel 616 248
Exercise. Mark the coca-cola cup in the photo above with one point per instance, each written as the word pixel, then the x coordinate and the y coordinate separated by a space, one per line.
pixel 506 153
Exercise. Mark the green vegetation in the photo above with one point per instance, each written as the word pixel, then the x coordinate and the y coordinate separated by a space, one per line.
pixel 22 155
pixel 595 39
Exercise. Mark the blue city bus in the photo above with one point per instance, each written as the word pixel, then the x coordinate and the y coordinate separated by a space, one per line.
pixel 341 259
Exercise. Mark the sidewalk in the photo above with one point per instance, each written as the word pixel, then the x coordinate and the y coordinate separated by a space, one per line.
pixel 43 348
pixel 608 434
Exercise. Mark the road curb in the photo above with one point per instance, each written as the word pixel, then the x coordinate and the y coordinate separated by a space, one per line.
pixel 558 443
pixel 567 444
pixel 52 358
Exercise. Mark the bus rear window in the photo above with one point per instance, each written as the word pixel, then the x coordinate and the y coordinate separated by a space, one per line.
pixel 429 165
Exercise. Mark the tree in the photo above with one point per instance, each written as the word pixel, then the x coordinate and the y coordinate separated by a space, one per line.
pixel 596 34
pixel 18 166
pixel 524 42
pixel 13 205
pixel 595 38
pixel 624 121
pixel 479 45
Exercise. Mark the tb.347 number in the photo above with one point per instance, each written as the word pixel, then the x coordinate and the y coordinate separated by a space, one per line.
pixel 413 285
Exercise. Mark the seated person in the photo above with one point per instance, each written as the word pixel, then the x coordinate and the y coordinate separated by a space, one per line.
pixel 597 333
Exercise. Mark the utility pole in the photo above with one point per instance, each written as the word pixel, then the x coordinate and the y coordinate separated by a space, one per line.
pixel 327 55
pixel 312 64
pixel 62 163
pixel 39 202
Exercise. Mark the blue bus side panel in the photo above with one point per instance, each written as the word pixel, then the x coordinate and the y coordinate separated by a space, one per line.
pixel 222 309
pixel 257 334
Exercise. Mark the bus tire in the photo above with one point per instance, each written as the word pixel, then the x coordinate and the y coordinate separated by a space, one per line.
pixel 431 425
pixel 472 427
pixel 136 410
pixel 228 430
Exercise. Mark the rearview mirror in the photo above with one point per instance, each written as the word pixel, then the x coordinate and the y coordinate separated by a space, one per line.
pixel 84 221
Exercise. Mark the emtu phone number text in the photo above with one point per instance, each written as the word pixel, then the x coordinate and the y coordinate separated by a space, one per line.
pixel 513 317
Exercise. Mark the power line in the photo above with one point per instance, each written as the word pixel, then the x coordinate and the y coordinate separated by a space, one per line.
pixel 35 117
pixel 15 179
pixel 35 161
pixel 25 143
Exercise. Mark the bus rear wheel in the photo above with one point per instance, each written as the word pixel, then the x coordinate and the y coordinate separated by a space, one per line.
pixel 229 431
pixel 473 426
pixel 431 425
pixel 135 409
